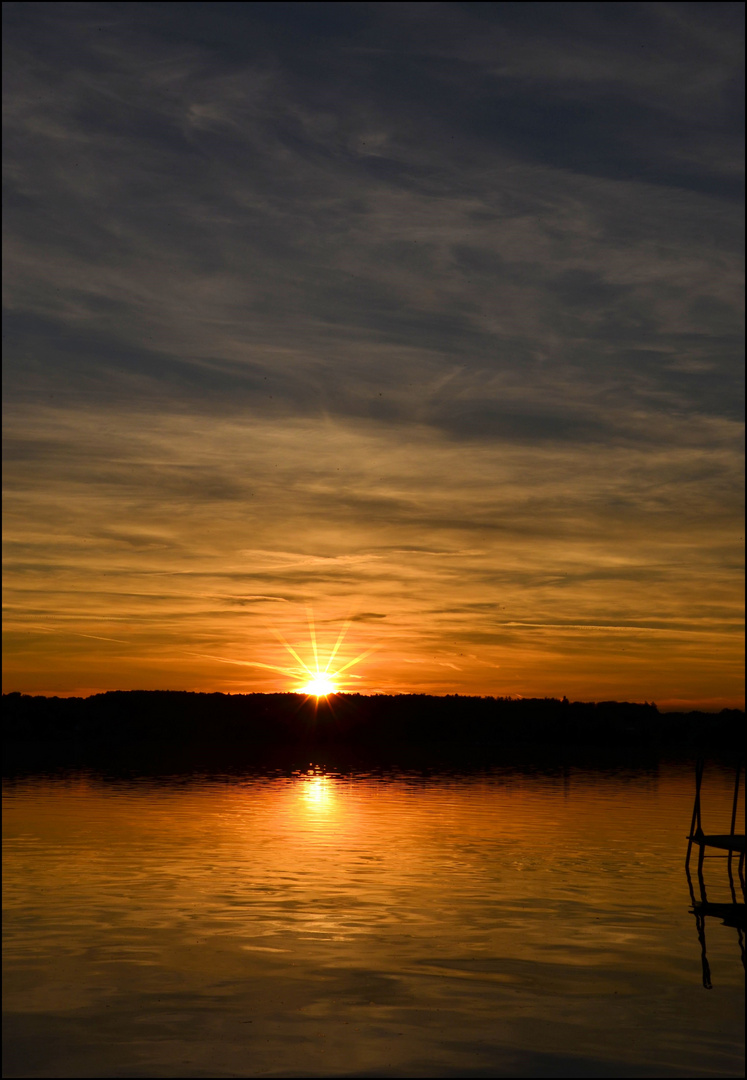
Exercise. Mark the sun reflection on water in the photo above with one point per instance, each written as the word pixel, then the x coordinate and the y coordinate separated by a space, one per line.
pixel 318 792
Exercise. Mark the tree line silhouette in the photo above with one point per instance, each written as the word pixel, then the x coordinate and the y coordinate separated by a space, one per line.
pixel 370 724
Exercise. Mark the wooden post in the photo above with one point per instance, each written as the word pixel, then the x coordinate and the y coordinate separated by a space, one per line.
pixel 696 812
pixel 734 810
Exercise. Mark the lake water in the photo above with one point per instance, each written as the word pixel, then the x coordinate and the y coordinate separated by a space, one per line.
pixel 513 923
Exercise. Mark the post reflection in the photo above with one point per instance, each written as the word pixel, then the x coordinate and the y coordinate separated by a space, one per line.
pixel 720 846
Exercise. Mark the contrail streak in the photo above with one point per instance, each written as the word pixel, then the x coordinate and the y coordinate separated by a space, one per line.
pixel 73 633
pixel 249 663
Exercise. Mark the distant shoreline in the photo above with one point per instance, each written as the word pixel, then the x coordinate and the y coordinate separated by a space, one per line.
pixel 183 728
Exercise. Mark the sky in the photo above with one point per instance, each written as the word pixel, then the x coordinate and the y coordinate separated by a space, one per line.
pixel 417 321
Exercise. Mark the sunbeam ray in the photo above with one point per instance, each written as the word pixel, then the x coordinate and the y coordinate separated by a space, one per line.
pixel 293 652
pixel 338 643
pixel 355 661
pixel 312 631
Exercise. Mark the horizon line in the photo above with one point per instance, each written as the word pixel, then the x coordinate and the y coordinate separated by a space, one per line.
pixel 666 706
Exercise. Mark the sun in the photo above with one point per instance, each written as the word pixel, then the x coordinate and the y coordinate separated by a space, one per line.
pixel 323 679
pixel 320 686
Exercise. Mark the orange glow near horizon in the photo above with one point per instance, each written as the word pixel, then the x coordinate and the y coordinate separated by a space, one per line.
pixel 583 607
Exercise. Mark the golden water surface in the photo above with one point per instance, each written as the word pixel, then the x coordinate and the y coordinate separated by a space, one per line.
pixel 514 923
